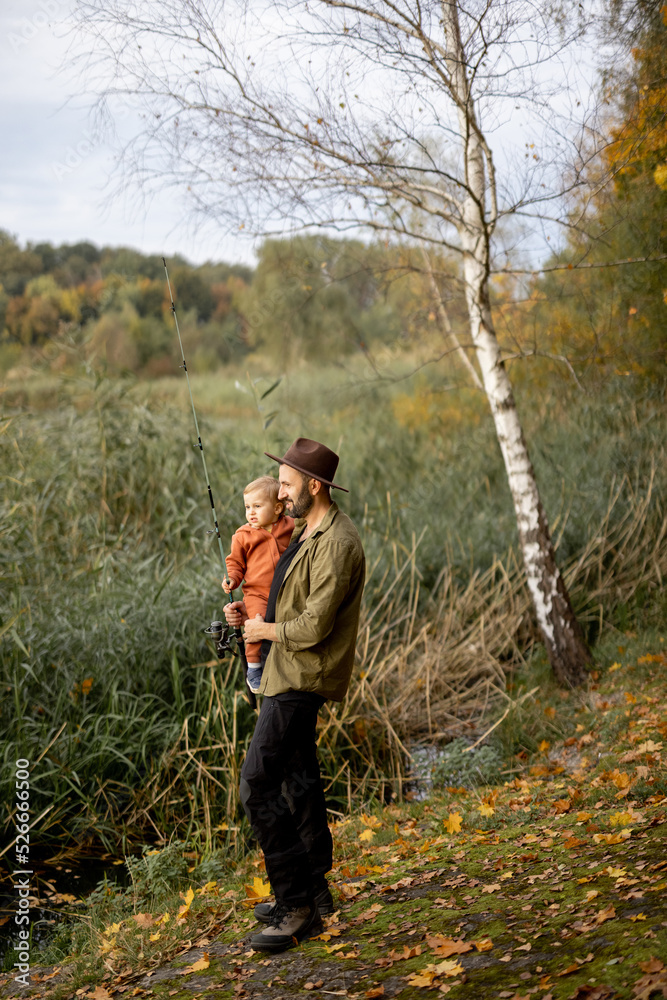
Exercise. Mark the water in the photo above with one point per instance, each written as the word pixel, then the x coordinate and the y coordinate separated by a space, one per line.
pixel 420 778
pixel 57 887
pixel 457 764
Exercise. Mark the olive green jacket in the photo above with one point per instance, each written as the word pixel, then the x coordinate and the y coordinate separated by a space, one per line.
pixel 317 611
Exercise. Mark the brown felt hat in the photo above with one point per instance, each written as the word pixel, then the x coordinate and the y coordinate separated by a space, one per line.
pixel 313 459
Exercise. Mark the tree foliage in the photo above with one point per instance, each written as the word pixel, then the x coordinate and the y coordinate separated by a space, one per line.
pixel 601 305
pixel 312 298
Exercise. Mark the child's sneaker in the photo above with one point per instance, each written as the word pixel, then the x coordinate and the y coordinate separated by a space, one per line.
pixel 254 679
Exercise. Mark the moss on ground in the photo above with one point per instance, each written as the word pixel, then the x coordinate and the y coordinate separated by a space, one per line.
pixel 551 885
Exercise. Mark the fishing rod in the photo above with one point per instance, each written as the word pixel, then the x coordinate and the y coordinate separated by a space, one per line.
pixel 218 631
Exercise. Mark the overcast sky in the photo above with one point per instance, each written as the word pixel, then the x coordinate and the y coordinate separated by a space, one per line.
pixel 54 169
pixel 52 166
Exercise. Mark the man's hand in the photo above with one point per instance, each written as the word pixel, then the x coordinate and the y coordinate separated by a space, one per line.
pixel 256 629
pixel 235 613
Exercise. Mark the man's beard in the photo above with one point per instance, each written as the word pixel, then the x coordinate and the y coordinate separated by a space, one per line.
pixel 303 503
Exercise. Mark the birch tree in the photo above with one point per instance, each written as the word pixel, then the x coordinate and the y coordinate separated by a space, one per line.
pixel 378 115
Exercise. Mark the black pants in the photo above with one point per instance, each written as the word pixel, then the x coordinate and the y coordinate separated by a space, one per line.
pixel 282 794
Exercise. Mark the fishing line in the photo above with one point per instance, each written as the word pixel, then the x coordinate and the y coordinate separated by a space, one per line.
pixel 217 630
pixel 194 414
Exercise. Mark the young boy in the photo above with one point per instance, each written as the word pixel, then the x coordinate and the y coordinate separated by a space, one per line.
pixel 256 548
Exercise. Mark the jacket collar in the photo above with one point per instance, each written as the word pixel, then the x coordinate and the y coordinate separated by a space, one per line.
pixel 248 528
pixel 300 525
pixel 322 526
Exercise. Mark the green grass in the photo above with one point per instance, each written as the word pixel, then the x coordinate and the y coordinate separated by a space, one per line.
pixel 109 574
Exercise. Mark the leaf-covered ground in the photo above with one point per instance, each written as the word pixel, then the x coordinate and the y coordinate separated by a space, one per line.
pixel 551 885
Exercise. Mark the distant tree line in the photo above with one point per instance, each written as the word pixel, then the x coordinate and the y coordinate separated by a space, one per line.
pixel 313 298
pixel 114 302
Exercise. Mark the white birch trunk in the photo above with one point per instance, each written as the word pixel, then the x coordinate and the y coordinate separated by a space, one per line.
pixel 446 326
pixel 563 638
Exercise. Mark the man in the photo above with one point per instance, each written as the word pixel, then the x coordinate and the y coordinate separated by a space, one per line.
pixel 309 633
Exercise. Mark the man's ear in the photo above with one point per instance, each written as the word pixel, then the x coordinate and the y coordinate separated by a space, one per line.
pixel 314 486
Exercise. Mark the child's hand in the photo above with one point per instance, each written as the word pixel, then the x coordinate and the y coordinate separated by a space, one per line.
pixel 235 613
pixel 228 585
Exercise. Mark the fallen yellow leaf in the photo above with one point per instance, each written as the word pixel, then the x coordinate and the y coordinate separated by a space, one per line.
pixel 444 947
pixel 367 834
pixel 620 819
pixel 188 897
pixel 258 889
pixel 451 968
pixel 424 978
pixel 453 823
pixel 486 810
pixel 605 914
pixel 612 838
pixel 209 887
pixel 483 944
pixel 198 966
pixel 649 747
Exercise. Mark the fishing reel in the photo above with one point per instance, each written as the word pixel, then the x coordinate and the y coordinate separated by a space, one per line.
pixel 221 635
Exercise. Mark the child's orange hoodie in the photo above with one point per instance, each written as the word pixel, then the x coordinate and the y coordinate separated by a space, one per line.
pixel 255 553
pixel 254 556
